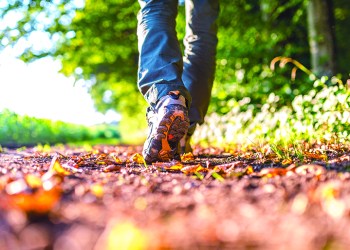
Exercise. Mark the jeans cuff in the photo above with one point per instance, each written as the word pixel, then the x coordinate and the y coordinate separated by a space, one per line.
pixel 162 88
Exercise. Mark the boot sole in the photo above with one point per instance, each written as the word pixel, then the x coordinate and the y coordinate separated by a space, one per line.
pixel 163 146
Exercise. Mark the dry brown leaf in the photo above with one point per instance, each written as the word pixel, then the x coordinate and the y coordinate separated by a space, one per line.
pixel 71 164
pixel 218 169
pixel 316 156
pixel 101 157
pixel 230 166
pixel 111 168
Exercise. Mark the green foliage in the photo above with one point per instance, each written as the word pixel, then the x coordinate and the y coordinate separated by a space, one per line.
pixel 321 114
pixel 258 32
pixel 103 49
pixel 16 130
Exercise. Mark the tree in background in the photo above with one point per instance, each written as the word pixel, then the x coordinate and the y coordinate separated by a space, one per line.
pixel 321 37
pixel 96 41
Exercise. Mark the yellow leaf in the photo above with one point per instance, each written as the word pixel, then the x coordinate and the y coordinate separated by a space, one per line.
pixel 97 190
pixel 193 169
pixel 33 181
pixel 187 157
pixel 57 167
pixel 177 166
pixel 116 159
pixel 126 236
pixel 249 170
pixel 137 158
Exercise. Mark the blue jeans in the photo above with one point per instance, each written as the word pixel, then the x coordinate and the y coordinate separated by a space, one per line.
pixel 162 68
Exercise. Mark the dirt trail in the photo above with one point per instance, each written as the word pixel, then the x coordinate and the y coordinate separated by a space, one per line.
pixel 107 198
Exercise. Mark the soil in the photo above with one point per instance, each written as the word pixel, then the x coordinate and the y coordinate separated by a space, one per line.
pixel 105 197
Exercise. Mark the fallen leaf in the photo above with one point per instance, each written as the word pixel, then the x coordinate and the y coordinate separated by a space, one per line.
pixel 41 201
pixel 101 157
pixel 33 181
pixel 218 169
pixel 169 166
pixel 230 166
pixel 193 169
pixel 57 167
pixel 116 159
pixel 177 166
pixel 126 235
pixel 137 158
pixel 111 168
pixel 316 156
pixel 272 172
pixel 97 190
pixel 72 164
pixel 249 170
pixel 187 157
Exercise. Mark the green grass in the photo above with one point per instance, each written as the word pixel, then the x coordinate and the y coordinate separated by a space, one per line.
pixel 17 131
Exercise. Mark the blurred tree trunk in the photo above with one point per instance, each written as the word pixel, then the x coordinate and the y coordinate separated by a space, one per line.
pixel 321 37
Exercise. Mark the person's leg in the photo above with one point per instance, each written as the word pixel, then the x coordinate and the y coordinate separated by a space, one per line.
pixel 160 57
pixel 199 57
pixel 159 79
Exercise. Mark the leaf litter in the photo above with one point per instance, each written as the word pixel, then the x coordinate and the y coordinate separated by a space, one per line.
pixel 108 198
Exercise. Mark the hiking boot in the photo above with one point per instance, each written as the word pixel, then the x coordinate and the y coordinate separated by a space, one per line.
pixel 168 123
